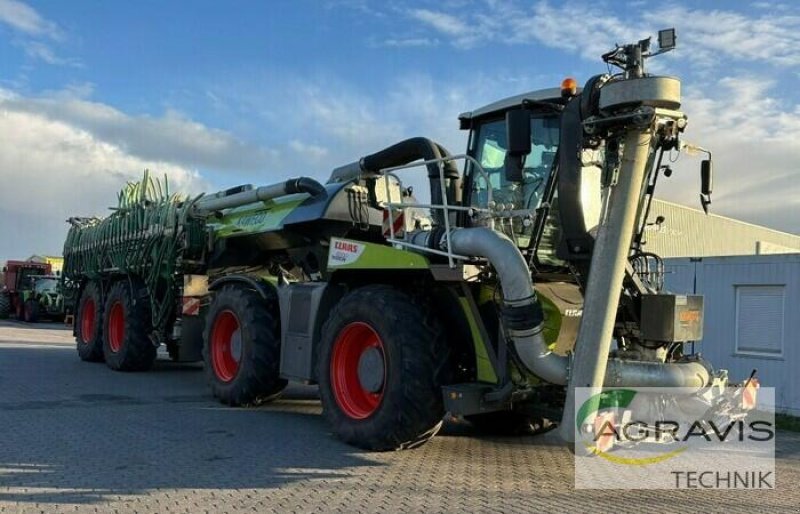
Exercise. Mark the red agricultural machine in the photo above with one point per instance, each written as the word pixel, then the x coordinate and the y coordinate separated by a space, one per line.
pixel 16 284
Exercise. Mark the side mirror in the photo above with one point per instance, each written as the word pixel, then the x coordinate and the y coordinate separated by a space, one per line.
pixel 5 268
pixel 706 177
pixel 706 183
pixel 518 136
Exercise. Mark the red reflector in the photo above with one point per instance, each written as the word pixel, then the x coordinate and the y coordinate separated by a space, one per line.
pixel 191 306
pixel 750 394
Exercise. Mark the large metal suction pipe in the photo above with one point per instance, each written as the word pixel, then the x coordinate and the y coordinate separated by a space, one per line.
pixel 523 319
pixel 607 272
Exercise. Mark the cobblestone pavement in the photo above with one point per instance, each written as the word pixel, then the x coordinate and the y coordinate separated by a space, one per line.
pixel 78 437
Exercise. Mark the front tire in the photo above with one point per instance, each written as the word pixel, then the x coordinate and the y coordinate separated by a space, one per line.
pixel 31 312
pixel 382 362
pixel 89 324
pixel 5 305
pixel 126 329
pixel 242 344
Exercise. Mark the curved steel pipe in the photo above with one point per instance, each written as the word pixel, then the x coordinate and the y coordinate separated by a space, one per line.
pixel 523 317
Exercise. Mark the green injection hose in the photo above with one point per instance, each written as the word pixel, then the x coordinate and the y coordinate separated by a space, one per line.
pixel 151 235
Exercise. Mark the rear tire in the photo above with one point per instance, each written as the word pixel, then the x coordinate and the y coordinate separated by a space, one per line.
pixel 5 305
pixel 89 324
pixel 382 362
pixel 242 344
pixel 31 313
pixel 126 328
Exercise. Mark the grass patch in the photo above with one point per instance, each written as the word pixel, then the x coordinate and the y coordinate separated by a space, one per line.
pixel 787 422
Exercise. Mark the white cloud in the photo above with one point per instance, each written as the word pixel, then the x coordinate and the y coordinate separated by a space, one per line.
pixel 50 170
pixel 754 139
pixel 307 150
pixel 588 29
pixel 444 23
pixel 464 31
pixel 43 52
pixel 772 37
pixel 170 138
pixel 576 28
pixel 64 156
pixel 25 19
pixel 36 34
pixel 409 42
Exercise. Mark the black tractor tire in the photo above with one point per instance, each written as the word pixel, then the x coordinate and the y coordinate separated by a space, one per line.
pixel 383 359
pixel 31 311
pixel 241 347
pixel 5 305
pixel 89 324
pixel 510 423
pixel 126 328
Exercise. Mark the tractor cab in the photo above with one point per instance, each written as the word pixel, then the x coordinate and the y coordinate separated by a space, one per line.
pixel 44 284
pixel 516 143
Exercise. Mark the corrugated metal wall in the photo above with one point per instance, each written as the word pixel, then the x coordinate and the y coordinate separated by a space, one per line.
pixel 689 232
pixel 738 305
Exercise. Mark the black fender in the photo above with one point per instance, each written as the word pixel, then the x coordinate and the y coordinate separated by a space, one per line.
pixel 263 288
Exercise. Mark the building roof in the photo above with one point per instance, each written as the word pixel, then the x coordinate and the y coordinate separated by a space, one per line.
pixel 688 232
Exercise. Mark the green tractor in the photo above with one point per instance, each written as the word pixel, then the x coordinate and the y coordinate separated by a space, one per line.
pixel 42 299
pixel 522 277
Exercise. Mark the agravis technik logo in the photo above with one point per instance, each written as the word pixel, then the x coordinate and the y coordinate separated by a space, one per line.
pixel 665 438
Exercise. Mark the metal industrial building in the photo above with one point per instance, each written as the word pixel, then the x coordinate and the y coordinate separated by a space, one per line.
pixel 750 278
pixel 689 232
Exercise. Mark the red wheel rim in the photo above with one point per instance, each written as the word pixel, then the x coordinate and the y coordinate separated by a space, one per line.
pixel 226 346
pixel 350 346
pixel 116 326
pixel 87 320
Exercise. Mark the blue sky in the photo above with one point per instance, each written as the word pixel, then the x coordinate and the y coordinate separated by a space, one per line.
pixel 219 93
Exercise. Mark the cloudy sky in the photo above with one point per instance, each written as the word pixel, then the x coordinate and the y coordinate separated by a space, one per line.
pixel 215 94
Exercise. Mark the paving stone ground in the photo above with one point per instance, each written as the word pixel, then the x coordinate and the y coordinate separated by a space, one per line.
pixel 78 437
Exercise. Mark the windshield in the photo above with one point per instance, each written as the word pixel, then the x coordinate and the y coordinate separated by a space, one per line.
pixel 490 152
pixel 44 285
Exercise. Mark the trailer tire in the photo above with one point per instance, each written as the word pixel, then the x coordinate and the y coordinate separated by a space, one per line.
pixel 510 423
pixel 241 323
pixel 5 305
pixel 126 328
pixel 89 324
pixel 383 359
pixel 31 313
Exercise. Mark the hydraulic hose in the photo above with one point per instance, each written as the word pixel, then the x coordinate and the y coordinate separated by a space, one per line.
pixel 402 153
